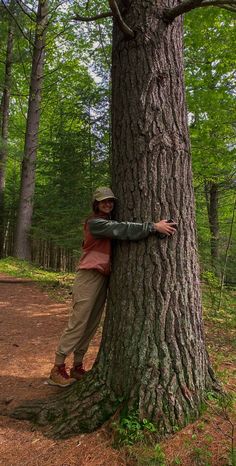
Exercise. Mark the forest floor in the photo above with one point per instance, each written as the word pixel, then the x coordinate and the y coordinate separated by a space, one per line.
pixel 31 320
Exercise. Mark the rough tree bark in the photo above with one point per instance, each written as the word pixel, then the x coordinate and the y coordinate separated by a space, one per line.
pixel 4 129
pixel 152 356
pixel 22 247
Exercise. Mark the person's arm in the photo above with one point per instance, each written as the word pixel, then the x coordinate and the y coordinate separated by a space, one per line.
pixel 102 228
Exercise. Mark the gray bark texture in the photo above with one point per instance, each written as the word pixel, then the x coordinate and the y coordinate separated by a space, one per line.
pixel 152 357
pixel 22 246
pixel 4 129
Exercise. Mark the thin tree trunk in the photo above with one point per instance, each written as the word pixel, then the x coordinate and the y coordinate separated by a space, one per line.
pixel 22 247
pixel 152 357
pixel 212 199
pixel 90 150
pixel 4 131
pixel 226 257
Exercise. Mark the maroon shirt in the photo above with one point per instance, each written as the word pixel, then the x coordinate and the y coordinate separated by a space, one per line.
pixel 96 252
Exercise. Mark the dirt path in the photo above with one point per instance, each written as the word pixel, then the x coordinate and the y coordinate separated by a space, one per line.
pixel 30 324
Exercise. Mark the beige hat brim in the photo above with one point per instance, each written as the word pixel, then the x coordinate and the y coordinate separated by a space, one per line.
pixel 102 198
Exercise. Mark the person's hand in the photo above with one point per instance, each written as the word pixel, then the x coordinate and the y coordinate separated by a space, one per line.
pixel 165 228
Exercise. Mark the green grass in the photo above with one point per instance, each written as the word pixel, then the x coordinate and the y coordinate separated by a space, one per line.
pixel 225 316
pixel 23 269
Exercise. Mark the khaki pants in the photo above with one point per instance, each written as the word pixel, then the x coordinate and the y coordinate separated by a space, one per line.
pixel 89 296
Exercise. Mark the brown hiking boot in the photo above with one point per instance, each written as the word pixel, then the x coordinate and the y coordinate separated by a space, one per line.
pixel 77 372
pixel 59 377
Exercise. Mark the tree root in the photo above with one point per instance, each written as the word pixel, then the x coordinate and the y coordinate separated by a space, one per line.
pixel 87 404
pixel 82 407
pixel 212 382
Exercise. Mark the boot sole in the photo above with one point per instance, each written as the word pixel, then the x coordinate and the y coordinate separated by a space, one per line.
pixel 57 384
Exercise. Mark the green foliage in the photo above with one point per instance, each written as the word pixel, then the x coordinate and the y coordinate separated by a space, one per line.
pixel 201 456
pixel 152 457
pixel 131 429
pixel 74 141
pixel 225 315
pixel 226 401
pixel 74 144
pixel 177 461
pixel 233 457
pixel 199 446
pixel 210 85
pixel 23 269
pixel 201 426
pixel 223 405
pixel 144 455
pixel 211 290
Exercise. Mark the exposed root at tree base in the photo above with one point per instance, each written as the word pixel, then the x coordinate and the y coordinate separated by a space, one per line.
pixel 87 404
pixel 82 407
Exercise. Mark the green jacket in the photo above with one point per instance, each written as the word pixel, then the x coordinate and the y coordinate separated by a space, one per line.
pixel 98 233
pixel 103 228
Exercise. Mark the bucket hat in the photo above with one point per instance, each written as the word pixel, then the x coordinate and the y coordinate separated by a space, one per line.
pixel 103 193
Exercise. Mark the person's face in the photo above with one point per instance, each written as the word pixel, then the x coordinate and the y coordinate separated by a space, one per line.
pixel 106 206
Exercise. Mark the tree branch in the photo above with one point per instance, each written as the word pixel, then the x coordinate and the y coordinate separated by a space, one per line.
pixel 228 7
pixel 231 6
pixel 103 48
pixel 122 25
pixel 28 7
pixel 220 3
pixel 115 12
pixel 188 5
pixel 23 8
pixel 92 18
pixel 13 17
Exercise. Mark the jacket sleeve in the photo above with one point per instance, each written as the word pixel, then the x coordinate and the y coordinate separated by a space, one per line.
pixel 102 228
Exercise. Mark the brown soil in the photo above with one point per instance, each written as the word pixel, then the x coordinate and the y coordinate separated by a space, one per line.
pixel 30 324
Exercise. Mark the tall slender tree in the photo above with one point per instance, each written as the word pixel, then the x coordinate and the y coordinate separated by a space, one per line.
pixel 22 248
pixel 5 102
pixel 212 200
pixel 152 357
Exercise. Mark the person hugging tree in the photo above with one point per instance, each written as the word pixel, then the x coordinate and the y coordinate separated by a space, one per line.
pixel 92 277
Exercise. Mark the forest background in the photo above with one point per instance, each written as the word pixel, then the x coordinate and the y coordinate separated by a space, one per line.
pixel 74 145
pixel 55 118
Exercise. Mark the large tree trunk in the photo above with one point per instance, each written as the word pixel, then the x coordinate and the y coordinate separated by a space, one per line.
pixel 154 323
pixel 22 246
pixel 4 130
pixel 152 356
